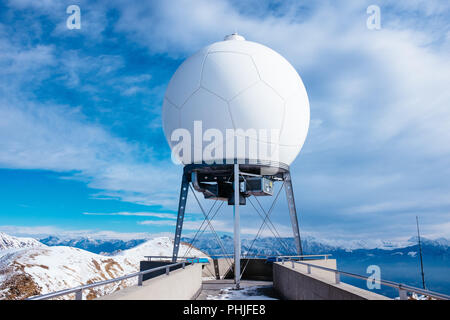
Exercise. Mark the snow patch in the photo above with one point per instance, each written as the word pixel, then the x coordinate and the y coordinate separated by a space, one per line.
pixel 56 268
pixel 10 242
pixel 249 293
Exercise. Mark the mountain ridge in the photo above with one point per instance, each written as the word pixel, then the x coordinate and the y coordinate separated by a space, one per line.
pixel 93 245
pixel 11 242
pixel 36 270
pixel 310 245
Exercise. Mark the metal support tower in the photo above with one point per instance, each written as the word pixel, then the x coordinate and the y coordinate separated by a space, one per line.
pixel 237 229
pixel 181 208
pixel 220 172
pixel 293 212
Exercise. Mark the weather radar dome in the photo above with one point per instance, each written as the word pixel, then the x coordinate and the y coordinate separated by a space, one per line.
pixel 231 90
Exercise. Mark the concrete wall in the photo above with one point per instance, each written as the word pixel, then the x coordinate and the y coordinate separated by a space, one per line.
pixel 146 265
pixel 220 265
pixel 181 284
pixel 254 269
pixel 295 284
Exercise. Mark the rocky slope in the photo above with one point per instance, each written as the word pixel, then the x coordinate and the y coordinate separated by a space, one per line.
pixel 28 271
pixel 10 242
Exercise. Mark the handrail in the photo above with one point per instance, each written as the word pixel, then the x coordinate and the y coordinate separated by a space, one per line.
pixel 149 258
pixel 79 290
pixel 275 256
pixel 402 288
pixel 308 256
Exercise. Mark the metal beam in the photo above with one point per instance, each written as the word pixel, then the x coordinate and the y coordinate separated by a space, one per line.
pixel 237 229
pixel 293 212
pixel 180 218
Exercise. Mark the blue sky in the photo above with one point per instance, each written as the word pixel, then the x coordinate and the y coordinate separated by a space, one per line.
pixel 82 150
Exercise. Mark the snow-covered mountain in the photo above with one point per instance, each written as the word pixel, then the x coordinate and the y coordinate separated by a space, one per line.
pixel 41 269
pixel 265 245
pixel 100 246
pixel 10 242
pixel 28 267
pixel 311 245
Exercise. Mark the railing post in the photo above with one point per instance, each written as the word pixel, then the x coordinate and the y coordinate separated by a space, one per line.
pixel 337 276
pixel 167 271
pixel 402 293
pixel 308 269
pixel 79 295
pixel 140 279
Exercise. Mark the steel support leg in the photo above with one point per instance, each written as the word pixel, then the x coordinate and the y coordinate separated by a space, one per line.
pixel 293 212
pixel 180 217
pixel 237 229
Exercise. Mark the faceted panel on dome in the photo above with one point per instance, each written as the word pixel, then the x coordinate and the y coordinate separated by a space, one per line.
pixel 277 72
pixel 247 47
pixel 208 108
pixel 244 148
pixel 213 113
pixel 170 119
pixel 255 150
pixel 296 119
pixel 220 153
pixel 228 73
pixel 268 152
pixel 186 79
pixel 259 108
pixel 287 154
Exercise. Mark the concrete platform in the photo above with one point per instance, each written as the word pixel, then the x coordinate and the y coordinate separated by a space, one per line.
pixel 216 288
pixel 295 283
pixel 180 284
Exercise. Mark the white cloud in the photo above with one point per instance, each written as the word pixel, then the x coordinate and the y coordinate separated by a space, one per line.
pixel 56 138
pixel 432 201
pixel 60 138
pixel 157 222
pixel 437 230
pixel 134 214
pixel 45 231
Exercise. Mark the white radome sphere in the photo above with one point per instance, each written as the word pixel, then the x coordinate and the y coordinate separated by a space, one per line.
pixel 239 84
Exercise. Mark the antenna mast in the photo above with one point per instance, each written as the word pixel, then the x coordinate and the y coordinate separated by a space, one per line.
pixel 420 253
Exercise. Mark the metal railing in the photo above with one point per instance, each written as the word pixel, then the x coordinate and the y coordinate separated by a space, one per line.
pixel 403 289
pixel 189 259
pixel 79 290
pixel 302 257
pixel 308 256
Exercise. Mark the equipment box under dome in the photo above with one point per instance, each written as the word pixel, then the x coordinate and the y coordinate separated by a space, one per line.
pixel 257 186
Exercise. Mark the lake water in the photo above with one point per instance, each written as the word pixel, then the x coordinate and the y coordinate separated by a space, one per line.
pixel 403 270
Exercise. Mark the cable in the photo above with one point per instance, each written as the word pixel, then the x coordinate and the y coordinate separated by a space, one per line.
pixel 195 236
pixel 262 225
pixel 274 231
pixel 201 227
pixel 210 225
pixel 266 214
pixel 286 247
